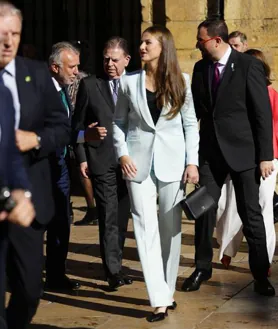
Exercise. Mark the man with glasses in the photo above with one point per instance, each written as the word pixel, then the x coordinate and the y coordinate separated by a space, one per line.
pixel 232 103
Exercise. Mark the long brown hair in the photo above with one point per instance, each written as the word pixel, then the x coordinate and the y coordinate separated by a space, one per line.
pixel 170 84
pixel 260 56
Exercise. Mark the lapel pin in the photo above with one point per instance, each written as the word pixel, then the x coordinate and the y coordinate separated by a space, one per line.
pixel 232 67
pixel 28 78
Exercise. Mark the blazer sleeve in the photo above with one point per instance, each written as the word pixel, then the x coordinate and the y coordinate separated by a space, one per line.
pixel 190 126
pixel 56 131
pixel 120 123
pixel 78 120
pixel 199 107
pixel 260 110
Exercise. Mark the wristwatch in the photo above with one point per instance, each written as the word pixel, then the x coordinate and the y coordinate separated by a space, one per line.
pixel 39 143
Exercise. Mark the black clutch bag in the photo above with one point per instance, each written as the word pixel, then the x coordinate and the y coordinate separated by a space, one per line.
pixel 196 203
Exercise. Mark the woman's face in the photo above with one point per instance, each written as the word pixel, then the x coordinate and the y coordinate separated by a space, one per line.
pixel 150 48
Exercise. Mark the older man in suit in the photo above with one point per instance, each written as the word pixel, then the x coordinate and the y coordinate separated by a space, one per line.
pixel 41 128
pixel 232 103
pixel 95 103
pixel 13 176
pixel 63 65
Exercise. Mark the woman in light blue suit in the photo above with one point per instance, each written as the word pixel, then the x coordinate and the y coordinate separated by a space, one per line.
pixel 156 139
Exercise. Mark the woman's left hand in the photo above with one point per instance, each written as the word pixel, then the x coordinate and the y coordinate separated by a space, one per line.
pixel 191 175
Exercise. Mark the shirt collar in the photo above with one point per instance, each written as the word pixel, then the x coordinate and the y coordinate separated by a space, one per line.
pixel 224 60
pixel 10 68
pixel 56 84
pixel 111 80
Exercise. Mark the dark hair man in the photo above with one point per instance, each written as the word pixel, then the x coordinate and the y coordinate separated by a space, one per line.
pixel 95 103
pixel 232 103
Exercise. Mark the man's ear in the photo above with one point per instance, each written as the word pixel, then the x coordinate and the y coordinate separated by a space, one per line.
pixel 54 68
pixel 128 57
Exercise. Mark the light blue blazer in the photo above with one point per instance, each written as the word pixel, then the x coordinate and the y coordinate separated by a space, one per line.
pixel 170 145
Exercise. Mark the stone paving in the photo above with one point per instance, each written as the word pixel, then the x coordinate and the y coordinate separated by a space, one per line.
pixel 227 301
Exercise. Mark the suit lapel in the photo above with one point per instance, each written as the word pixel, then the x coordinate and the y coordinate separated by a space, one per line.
pixel 24 83
pixel 142 99
pixel 104 88
pixel 208 75
pixel 228 74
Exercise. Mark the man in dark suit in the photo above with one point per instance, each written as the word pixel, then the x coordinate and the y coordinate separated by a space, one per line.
pixel 232 103
pixel 13 176
pixel 95 103
pixel 63 65
pixel 41 128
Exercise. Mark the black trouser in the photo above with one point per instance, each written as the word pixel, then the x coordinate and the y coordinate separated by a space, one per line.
pixel 58 230
pixel 113 208
pixel 213 174
pixel 24 270
pixel 3 254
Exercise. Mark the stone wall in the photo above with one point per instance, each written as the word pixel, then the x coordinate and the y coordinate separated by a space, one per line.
pixel 257 18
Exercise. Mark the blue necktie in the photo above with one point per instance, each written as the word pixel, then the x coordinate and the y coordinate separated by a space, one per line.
pixel 115 90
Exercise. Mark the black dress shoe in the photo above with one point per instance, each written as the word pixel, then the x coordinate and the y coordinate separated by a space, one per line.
pixel 115 281
pixel 90 218
pixel 127 279
pixel 173 306
pixel 154 317
pixel 62 284
pixel 195 280
pixel 264 288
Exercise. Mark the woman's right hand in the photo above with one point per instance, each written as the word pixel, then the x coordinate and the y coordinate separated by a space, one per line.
pixel 128 167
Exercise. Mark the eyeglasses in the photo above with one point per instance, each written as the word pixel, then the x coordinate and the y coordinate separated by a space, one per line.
pixel 202 42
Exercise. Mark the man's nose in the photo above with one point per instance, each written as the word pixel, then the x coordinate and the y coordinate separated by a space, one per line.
pixel 8 40
pixel 110 62
pixel 76 71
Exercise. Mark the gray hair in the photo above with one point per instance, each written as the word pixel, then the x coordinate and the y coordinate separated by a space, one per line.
pixel 8 9
pixel 241 35
pixel 57 49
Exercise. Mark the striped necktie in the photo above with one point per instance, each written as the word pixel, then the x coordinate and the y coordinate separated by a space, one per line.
pixel 115 90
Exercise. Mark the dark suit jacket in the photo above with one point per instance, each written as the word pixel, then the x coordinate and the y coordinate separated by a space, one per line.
pixel 41 111
pixel 240 119
pixel 94 103
pixel 12 171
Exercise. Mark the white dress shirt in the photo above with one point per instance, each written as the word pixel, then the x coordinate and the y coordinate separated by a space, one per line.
pixel 223 62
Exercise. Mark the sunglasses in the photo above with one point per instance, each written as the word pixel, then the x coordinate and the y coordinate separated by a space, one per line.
pixel 202 42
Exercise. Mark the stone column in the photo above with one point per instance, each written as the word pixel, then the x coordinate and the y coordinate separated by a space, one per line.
pixel 258 19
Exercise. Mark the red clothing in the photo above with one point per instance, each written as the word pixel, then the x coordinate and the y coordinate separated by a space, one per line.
pixel 273 95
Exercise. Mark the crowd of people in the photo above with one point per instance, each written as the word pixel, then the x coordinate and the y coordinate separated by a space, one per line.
pixel 136 142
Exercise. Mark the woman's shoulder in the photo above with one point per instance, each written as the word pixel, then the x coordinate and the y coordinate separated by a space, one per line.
pixel 186 77
pixel 131 76
pixel 129 79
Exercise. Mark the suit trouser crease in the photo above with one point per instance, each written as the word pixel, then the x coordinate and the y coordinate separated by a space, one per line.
pixel 24 270
pixel 158 238
pixel 113 207
pixel 229 225
pixel 58 230
pixel 246 186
